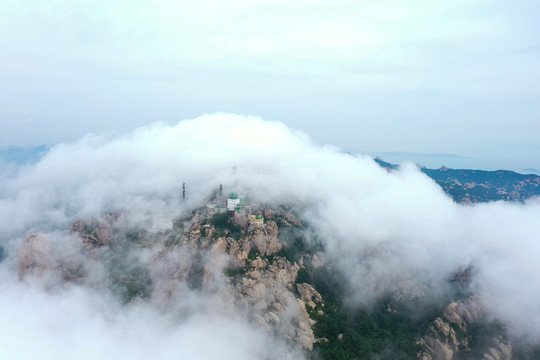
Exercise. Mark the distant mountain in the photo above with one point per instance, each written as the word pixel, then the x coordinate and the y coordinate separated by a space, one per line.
pixel 385 164
pixel 423 155
pixel 531 171
pixel 473 186
pixel 22 155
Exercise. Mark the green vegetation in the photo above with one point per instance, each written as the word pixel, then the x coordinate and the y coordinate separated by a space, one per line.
pixel 294 249
pixel 220 221
pixel 253 253
pixel 460 333
pixel 366 334
pixel 129 278
pixel 88 230
pixel 523 350
pixel 385 331
pixel 303 276
pixel 283 223
pixel 173 240
pixel 224 226
pixel 296 244
pixel 389 329
pixel 136 237
pixel 480 336
pixel 236 271
pixel 196 272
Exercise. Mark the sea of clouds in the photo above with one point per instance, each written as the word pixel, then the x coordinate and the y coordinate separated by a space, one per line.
pixel 387 229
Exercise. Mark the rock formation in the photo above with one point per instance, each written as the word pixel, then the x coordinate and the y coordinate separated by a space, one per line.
pixel 448 339
pixel 247 270
pixel 34 255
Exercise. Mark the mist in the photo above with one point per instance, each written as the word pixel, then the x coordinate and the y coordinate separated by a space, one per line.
pixel 385 230
pixel 78 323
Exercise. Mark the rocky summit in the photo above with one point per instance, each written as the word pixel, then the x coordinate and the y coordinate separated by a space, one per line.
pixel 261 263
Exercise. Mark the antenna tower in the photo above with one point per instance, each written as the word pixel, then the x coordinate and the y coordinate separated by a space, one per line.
pixel 184 191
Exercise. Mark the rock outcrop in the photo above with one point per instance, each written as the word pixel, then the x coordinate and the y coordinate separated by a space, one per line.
pixel 447 338
pixel 96 233
pixel 246 270
pixel 268 288
pixel 266 239
pixel 34 255
pixel 245 267
pixel 308 294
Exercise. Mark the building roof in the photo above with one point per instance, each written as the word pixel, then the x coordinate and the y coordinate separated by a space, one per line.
pixel 233 195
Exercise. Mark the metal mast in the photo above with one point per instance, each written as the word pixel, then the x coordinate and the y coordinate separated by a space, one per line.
pixel 184 191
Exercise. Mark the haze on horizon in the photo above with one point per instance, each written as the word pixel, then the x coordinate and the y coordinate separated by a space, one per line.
pixel 370 77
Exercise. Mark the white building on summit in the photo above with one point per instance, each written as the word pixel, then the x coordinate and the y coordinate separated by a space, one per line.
pixel 233 201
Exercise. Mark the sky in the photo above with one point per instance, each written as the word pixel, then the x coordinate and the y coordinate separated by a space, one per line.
pixel 369 76
pixel 384 230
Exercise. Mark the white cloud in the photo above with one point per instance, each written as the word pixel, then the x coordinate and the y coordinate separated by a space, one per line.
pixel 385 228
pixel 78 323
pixel 333 68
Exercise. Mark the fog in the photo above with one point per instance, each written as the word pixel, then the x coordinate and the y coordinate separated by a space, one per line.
pixel 78 324
pixel 385 229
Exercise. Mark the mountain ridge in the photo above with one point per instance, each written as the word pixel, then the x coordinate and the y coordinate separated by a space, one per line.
pixel 475 186
pixel 280 279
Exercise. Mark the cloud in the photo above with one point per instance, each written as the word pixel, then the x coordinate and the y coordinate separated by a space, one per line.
pixel 78 323
pixel 388 229
pixel 467 64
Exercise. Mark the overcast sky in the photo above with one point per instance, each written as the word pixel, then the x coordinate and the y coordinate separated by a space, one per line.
pixel 458 77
